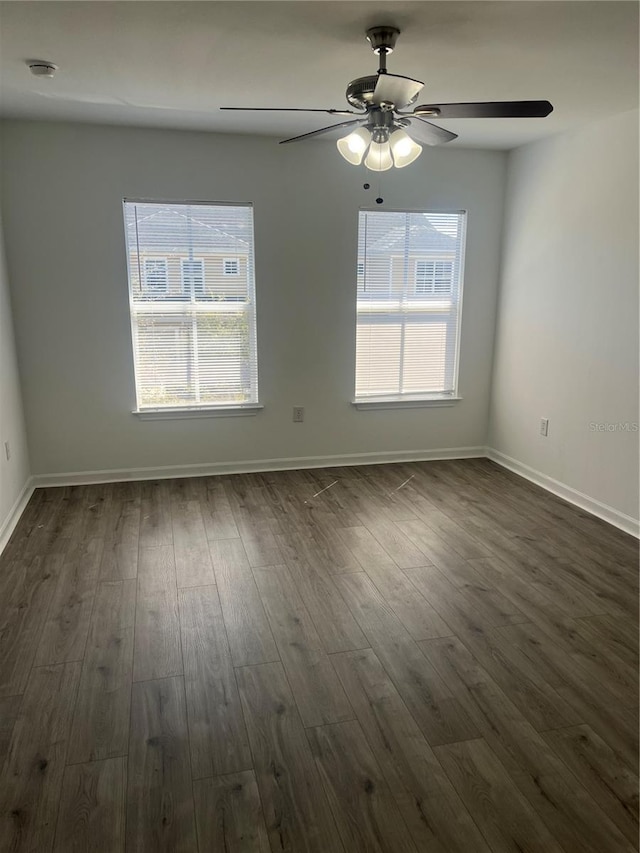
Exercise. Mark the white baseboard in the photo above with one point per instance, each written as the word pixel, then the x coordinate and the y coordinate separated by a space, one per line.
pixel 567 493
pixel 9 524
pixel 595 507
pixel 254 465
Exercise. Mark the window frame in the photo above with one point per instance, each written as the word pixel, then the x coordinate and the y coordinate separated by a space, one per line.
pixel 202 410
pixel 421 400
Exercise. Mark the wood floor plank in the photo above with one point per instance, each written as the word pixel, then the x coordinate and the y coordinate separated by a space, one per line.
pixel 430 806
pixel 217 515
pixel 26 587
pixel 250 637
pixel 505 817
pixel 191 548
pixel 296 811
pixel 217 734
pixel 467 607
pixel 448 532
pixel 314 683
pixel 42 533
pixel 101 719
pixel 64 635
pixel 564 805
pixel 92 808
pixel 609 781
pixel 262 550
pixel 155 514
pixel 188 489
pixel 537 701
pixel 31 780
pixel 572 816
pixel 121 540
pixel 610 632
pixel 9 707
pixel 398 546
pixel 535 698
pixel 564 668
pixel 417 615
pixel 325 552
pixel 93 519
pixel 508 733
pixel 363 806
pixel 229 814
pixel 160 810
pixel 436 710
pixel 364 546
pixel 333 620
pixel 157 652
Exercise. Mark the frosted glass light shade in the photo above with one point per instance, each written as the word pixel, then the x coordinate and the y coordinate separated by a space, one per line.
pixel 403 148
pixel 379 157
pixel 353 146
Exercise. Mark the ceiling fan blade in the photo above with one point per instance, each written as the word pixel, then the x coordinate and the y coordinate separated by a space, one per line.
pixel 397 90
pixel 324 130
pixel 292 110
pixel 430 134
pixel 491 109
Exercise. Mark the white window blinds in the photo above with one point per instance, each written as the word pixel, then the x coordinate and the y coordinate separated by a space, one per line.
pixel 193 326
pixel 409 280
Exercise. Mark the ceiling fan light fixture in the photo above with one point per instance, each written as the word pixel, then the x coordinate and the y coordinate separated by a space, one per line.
pixel 379 158
pixel 353 146
pixel 403 149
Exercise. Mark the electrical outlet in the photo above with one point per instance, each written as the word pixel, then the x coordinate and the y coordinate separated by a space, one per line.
pixel 544 426
pixel 298 414
pixel 7 450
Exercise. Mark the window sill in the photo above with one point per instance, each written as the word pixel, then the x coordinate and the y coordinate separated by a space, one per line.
pixel 211 412
pixel 408 403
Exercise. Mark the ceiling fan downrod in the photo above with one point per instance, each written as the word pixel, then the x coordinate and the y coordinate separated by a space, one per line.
pixel 382 41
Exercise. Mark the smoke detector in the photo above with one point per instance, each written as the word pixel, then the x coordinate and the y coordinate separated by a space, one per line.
pixel 41 68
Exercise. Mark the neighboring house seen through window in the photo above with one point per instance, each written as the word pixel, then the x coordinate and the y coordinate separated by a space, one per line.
pixel 434 277
pixel 409 295
pixel 156 277
pixel 231 266
pixel 193 276
pixel 193 328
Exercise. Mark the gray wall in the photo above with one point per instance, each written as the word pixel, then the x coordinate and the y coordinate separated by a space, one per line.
pixel 567 339
pixel 63 186
pixel 14 472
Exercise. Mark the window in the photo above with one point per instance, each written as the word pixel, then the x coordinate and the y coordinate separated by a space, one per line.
pixel 156 276
pixel 231 266
pixel 409 296
pixel 434 277
pixel 192 276
pixel 194 341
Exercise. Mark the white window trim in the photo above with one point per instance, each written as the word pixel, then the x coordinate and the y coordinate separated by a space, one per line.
pixel 406 402
pixel 235 261
pixel 170 414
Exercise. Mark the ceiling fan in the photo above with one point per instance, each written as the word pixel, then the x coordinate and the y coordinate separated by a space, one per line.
pixel 382 129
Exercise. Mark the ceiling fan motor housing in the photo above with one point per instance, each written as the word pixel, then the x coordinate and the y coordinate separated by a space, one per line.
pixel 360 92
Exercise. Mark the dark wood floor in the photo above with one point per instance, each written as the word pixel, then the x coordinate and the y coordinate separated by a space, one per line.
pixel 422 657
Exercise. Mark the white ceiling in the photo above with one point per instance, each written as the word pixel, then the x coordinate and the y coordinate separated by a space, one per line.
pixel 172 64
